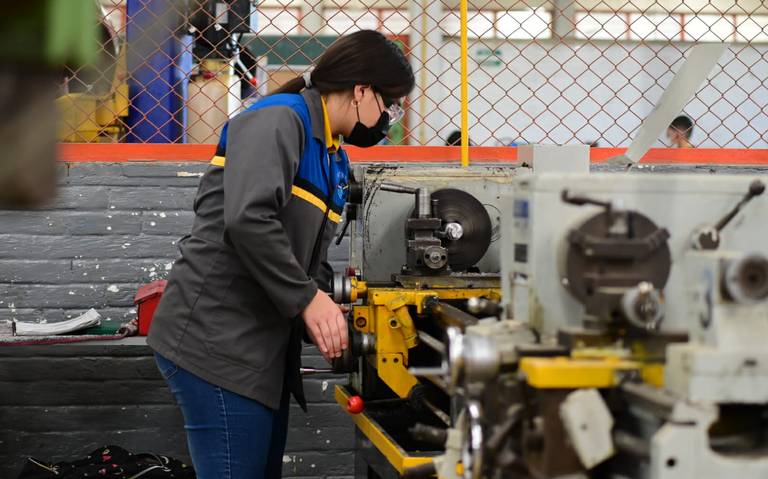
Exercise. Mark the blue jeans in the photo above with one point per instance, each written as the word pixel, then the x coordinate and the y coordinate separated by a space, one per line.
pixel 229 436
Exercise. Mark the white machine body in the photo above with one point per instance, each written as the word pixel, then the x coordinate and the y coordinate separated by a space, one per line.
pixel 726 359
pixel 537 221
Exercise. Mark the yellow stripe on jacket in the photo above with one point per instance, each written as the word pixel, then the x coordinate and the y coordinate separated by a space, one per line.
pixel 297 191
pixel 314 200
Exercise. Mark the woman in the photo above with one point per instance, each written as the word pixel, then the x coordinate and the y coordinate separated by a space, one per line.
pixel 227 333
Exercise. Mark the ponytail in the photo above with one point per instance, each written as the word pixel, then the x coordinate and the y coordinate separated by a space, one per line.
pixel 365 57
pixel 291 86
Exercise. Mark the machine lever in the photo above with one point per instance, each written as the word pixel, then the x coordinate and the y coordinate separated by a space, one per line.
pixel 756 188
pixel 343 233
pixel 583 200
pixel 577 200
pixel 708 238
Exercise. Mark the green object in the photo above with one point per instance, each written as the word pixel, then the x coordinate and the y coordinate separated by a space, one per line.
pixel 49 32
pixel 396 134
pixel 301 50
pixel 105 328
pixel 486 56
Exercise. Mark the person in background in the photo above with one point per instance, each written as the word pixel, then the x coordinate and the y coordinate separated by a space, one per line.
pixel 679 132
pixel 454 139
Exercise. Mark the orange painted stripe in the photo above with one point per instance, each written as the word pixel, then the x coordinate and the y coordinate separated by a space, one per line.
pixel 124 152
pixel 668 156
pixel 430 154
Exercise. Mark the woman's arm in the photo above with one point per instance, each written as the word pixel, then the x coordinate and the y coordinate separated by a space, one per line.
pixel 263 152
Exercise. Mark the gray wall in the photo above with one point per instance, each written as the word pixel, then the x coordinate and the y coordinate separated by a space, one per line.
pixel 59 403
pixel 113 227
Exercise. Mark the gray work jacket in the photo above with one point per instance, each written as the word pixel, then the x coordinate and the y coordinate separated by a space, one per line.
pixel 231 310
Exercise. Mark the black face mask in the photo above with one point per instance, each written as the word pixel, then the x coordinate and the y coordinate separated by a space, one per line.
pixel 364 136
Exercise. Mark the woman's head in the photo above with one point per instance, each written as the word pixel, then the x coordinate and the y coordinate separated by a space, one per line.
pixel 365 58
pixel 362 75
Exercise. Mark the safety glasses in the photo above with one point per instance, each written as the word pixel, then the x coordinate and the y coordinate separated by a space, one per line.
pixel 393 108
pixel 395 112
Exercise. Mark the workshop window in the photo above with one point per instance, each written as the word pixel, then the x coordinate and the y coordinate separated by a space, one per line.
pixel 601 26
pixel 671 27
pixel 708 28
pixel 480 24
pixel 340 21
pixel 655 26
pixel 524 24
pixel 278 21
pixel 394 22
pixel 512 24
pixel 751 28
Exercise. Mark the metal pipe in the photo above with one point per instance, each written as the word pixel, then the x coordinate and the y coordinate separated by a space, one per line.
pixel 310 371
pixel 438 412
pixel 431 434
pixel 648 398
pixel 422 471
pixel 449 315
pixel 632 445
pixel 432 342
pixel 428 371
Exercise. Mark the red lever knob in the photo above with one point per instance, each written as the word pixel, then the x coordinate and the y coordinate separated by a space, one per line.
pixel 355 405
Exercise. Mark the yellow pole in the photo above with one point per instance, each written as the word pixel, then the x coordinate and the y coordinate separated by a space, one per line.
pixel 464 88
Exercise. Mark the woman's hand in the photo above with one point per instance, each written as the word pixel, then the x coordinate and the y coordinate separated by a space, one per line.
pixel 326 324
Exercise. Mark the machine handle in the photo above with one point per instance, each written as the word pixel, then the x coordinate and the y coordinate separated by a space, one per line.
pixel 709 238
pixel 355 405
pixel 344 228
pixel 577 200
pixel 756 188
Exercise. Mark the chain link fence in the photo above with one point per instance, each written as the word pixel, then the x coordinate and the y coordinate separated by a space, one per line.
pixel 539 71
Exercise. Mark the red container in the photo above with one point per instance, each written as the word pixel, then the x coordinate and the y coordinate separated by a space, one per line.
pixel 146 301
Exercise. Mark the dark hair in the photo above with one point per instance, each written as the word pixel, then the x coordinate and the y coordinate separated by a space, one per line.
pixel 683 124
pixel 365 57
pixel 454 139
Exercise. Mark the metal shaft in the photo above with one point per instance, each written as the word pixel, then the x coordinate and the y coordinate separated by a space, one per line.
pixel 423 203
pixel 395 188
pixel 309 371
